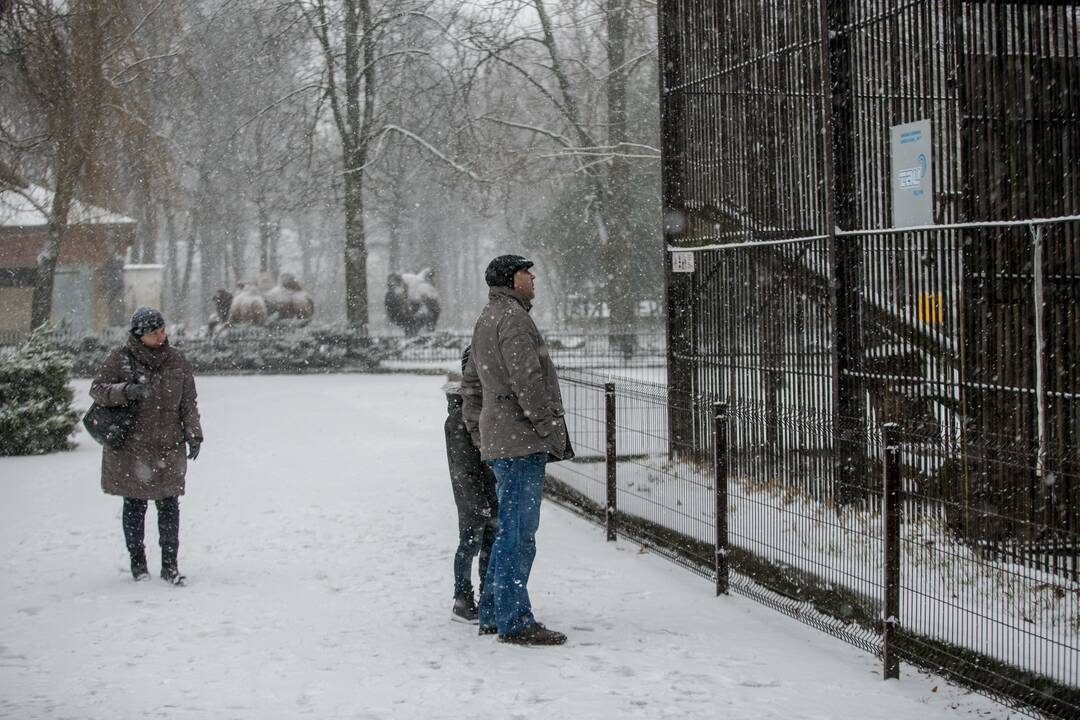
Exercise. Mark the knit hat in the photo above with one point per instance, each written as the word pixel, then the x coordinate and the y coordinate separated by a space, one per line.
pixel 500 271
pixel 146 320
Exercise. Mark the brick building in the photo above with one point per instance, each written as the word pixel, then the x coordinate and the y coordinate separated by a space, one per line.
pixel 89 288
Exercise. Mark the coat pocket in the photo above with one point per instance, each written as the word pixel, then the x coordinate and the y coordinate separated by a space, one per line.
pixel 558 443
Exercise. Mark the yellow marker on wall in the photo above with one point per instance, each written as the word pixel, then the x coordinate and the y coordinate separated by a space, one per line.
pixel 931 308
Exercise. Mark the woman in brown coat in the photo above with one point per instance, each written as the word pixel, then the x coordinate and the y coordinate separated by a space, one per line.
pixel 152 462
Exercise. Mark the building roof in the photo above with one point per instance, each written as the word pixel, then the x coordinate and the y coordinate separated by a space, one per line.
pixel 29 206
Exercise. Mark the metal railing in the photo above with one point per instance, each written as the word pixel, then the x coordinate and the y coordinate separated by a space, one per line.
pixel 640 355
pixel 915 589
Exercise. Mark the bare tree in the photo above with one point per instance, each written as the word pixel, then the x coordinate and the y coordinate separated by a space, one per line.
pixel 67 57
pixel 581 87
pixel 441 128
pixel 366 50
pixel 351 53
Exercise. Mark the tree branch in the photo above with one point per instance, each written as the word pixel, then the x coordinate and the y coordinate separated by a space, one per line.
pixel 429 148
pixel 557 137
pixel 134 31
pixel 319 29
pixel 271 106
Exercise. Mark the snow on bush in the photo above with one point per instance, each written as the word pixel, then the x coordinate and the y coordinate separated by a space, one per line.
pixel 36 416
pixel 284 348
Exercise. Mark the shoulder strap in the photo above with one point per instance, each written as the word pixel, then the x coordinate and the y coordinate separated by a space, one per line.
pixel 131 365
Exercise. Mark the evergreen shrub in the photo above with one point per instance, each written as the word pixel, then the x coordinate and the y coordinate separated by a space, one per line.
pixel 36 416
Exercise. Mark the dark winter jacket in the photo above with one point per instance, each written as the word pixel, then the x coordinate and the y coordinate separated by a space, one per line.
pixel 512 402
pixel 472 480
pixel 152 463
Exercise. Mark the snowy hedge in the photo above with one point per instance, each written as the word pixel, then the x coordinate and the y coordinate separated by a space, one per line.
pixel 36 416
pixel 283 349
pixel 293 350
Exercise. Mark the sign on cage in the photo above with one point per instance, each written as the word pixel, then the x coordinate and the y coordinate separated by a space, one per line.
pixel 912 181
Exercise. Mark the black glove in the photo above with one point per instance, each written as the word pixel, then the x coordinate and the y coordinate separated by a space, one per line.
pixel 193 449
pixel 136 391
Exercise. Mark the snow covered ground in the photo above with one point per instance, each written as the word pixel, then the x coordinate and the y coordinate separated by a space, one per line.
pixel 317 536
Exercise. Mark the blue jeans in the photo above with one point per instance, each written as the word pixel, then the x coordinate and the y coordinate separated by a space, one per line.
pixel 504 602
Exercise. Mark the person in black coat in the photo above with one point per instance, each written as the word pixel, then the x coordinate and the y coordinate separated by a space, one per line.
pixel 473 484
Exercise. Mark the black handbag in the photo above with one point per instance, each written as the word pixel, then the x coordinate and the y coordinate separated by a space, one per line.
pixel 111 425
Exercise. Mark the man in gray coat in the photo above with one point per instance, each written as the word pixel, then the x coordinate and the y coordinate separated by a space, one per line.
pixel 152 462
pixel 513 409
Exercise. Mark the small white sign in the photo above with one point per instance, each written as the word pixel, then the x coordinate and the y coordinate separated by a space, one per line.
pixel 912 187
pixel 682 262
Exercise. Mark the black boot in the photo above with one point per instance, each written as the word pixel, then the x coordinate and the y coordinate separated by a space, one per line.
pixel 139 570
pixel 464 608
pixel 170 572
pixel 535 634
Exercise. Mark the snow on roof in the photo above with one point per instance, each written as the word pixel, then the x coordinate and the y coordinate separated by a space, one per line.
pixel 29 207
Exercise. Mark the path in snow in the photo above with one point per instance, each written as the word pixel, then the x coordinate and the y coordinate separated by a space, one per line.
pixel 317 536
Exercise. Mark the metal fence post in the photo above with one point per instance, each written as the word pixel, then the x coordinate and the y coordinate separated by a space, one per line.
pixel 720 464
pixel 612 489
pixel 891 498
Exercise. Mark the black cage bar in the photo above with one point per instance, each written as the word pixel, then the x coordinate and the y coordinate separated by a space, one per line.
pixel 817 320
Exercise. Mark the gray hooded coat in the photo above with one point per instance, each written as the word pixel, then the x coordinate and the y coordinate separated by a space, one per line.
pixel 511 400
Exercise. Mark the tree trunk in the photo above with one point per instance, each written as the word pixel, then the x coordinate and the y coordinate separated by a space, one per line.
pixel 172 269
pixel 148 227
pixel 359 111
pixel 356 305
pixel 397 213
pixel 211 257
pixel 236 257
pixel 353 105
pixel 41 303
pixel 183 297
pixel 621 286
pixel 275 243
pixel 303 239
pixel 41 300
pixel 209 261
pixel 264 237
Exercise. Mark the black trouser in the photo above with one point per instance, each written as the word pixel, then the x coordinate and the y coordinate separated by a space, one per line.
pixel 168 518
pixel 472 541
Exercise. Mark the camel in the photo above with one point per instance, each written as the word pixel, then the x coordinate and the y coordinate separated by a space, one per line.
pixel 412 302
